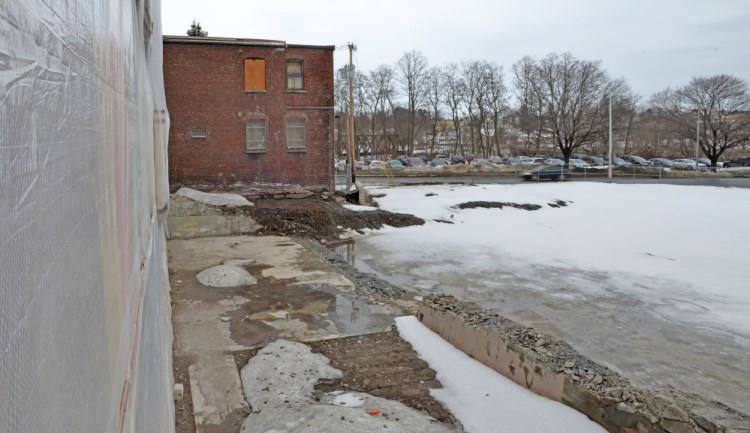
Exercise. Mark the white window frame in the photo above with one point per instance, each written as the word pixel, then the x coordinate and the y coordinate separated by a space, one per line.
pixel 255 144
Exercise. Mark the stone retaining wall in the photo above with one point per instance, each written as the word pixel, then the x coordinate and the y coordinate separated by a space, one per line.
pixel 552 368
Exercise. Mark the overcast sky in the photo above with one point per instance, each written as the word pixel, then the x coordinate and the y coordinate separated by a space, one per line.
pixel 653 44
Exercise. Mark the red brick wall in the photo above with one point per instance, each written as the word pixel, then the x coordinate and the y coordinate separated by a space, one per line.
pixel 204 86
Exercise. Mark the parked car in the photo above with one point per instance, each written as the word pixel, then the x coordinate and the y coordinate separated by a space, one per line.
pixel 578 163
pixel 595 161
pixel 438 162
pixel 416 162
pixel 704 161
pixel 394 164
pixel 578 155
pixel 687 164
pixel 403 159
pixel 512 160
pixel 376 164
pixel 458 159
pixel 635 160
pixel 738 162
pixel 554 161
pixel 495 159
pixel 480 162
pixel 619 162
pixel 546 172
pixel 660 162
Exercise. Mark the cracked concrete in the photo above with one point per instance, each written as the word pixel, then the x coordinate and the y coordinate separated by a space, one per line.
pixel 298 296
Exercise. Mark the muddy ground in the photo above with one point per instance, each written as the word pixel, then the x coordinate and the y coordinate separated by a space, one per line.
pixel 380 364
pixel 383 364
pixel 318 216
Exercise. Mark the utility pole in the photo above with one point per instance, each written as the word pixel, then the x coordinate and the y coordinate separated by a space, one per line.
pixel 609 166
pixel 350 118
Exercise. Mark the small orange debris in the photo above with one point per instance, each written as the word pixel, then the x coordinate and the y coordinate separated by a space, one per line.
pixel 373 411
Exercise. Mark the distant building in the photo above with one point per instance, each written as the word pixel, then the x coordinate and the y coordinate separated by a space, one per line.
pixel 248 110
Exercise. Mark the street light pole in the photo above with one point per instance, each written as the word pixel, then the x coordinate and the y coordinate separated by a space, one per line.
pixel 697 143
pixel 609 166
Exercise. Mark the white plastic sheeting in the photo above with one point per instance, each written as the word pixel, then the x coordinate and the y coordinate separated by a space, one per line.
pixel 85 333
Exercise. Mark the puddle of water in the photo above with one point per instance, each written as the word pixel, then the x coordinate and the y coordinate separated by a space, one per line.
pixel 344 249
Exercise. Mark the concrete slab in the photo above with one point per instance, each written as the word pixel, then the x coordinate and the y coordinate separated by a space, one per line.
pixel 298 296
pixel 279 383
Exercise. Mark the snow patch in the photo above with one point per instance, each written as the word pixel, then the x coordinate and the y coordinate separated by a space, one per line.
pixel 483 400
pixel 214 198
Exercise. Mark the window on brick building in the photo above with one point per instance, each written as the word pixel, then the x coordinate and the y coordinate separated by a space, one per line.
pixel 255 135
pixel 255 75
pixel 295 74
pixel 198 133
pixel 295 134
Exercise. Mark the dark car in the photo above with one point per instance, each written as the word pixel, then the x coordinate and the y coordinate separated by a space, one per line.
pixel 458 159
pixel 635 160
pixel 660 162
pixel 619 162
pixel 738 162
pixel 595 161
pixel 415 162
pixel 550 172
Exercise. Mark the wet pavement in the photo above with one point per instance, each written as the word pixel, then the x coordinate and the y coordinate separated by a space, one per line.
pixel 298 296
pixel 652 340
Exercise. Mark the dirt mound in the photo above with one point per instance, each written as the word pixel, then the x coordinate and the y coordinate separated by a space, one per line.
pixel 319 218
pixel 497 205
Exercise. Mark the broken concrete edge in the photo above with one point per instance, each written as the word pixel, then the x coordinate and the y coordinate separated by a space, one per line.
pixel 552 368
pixel 363 197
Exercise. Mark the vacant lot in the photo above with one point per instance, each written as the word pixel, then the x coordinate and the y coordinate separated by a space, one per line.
pixel 648 279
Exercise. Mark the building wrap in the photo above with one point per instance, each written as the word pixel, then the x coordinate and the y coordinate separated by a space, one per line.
pixel 85 332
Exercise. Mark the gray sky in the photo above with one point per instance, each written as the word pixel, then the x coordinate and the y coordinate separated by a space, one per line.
pixel 653 44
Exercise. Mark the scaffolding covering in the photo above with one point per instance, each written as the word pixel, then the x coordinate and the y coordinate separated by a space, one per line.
pixel 85 331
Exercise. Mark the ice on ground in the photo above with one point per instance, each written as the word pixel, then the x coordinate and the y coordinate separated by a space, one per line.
pixel 284 372
pixel 214 198
pixel 358 208
pixel 650 280
pixel 483 400
pixel 347 399
pixel 686 238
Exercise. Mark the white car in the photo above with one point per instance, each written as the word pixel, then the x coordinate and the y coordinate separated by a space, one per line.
pixel 376 164
pixel 687 164
pixel 578 163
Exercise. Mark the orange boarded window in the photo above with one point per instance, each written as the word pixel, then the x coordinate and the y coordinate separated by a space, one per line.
pixel 255 74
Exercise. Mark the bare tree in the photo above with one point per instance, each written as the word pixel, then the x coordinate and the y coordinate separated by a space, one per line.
pixel 412 67
pixel 474 106
pixel 454 87
pixel 530 110
pixel 341 101
pixel 434 87
pixel 382 80
pixel 570 92
pixel 719 104
pixel 624 117
pixel 498 103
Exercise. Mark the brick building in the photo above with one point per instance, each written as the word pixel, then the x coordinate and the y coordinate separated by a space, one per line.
pixel 245 110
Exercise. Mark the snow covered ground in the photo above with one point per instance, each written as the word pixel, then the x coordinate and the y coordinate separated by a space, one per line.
pixel 484 400
pixel 648 279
